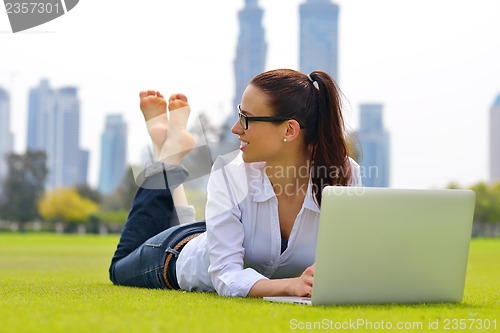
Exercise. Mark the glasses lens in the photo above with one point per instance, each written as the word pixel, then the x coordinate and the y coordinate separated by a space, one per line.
pixel 243 121
pixel 242 118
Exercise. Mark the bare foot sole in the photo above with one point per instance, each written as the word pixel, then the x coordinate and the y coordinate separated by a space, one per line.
pixel 171 140
pixel 179 141
pixel 154 109
pixel 152 104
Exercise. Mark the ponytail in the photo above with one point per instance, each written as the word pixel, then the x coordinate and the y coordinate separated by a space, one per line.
pixel 329 160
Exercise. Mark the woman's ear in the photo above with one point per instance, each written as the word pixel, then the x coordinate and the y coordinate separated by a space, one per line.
pixel 292 130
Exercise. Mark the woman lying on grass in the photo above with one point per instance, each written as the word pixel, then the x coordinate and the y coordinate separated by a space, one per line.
pixel 262 213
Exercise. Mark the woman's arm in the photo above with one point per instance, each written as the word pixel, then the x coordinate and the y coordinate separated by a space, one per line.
pixel 299 286
pixel 227 188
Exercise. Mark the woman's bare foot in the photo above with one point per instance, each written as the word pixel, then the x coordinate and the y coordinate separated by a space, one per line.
pixel 179 141
pixel 152 104
pixel 154 110
pixel 171 140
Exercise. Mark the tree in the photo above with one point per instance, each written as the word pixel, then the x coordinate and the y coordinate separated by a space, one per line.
pixel 206 131
pixel 495 202
pixel 122 197
pixel 487 209
pixel 24 185
pixel 87 192
pixel 487 203
pixel 67 206
pixel 112 218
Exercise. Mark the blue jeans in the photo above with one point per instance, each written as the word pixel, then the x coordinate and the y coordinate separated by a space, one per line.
pixel 151 231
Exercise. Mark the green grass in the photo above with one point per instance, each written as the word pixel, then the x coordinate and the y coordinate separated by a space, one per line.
pixel 52 283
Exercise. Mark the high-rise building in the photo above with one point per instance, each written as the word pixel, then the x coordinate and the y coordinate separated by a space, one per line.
pixel 375 150
pixel 6 137
pixel 495 141
pixel 319 37
pixel 40 109
pixel 54 127
pixel 250 57
pixel 113 154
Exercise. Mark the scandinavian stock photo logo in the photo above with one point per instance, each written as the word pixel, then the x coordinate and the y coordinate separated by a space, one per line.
pixel 26 14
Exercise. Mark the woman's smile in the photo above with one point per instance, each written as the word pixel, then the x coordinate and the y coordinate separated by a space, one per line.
pixel 243 144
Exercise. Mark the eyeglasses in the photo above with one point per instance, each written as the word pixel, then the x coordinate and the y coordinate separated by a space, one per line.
pixel 244 119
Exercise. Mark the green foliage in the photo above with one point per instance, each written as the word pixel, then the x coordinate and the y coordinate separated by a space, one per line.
pixel 118 217
pixel 24 185
pixel 487 203
pixel 87 192
pixel 495 194
pixel 66 205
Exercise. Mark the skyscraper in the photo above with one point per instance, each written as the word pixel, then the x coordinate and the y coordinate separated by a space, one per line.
pixel 495 141
pixel 319 37
pixel 6 137
pixel 113 154
pixel 54 127
pixel 250 57
pixel 40 109
pixel 375 152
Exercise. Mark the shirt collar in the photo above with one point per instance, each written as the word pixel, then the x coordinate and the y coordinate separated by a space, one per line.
pixel 262 190
pixel 261 186
pixel 309 201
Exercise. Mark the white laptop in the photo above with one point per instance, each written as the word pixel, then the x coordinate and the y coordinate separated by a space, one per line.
pixel 382 245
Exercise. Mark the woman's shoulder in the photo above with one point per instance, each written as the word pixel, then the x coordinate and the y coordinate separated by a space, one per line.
pixel 231 160
pixel 233 179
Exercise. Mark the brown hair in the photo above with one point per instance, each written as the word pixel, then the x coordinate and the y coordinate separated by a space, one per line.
pixel 318 109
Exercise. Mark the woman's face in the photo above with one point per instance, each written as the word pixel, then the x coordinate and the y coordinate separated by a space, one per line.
pixel 262 141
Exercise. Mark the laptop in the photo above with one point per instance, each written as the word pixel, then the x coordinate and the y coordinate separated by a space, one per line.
pixel 383 246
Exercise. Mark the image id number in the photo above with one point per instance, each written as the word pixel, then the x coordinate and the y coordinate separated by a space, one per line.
pixel 31 8
pixel 462 324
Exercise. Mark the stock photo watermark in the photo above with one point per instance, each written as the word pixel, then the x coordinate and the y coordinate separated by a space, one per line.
pixel 364 325
pixel 26 14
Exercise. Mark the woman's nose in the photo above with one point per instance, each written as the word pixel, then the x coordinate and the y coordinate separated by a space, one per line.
pixel 237 128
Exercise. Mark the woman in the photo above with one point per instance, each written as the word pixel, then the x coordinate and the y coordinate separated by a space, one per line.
pixel 262 212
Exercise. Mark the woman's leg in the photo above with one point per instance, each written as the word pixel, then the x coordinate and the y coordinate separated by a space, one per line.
pixel 152 212
pixel 153 209
pixel 144 267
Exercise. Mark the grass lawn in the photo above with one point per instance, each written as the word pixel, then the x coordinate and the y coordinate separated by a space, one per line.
pixel 53 283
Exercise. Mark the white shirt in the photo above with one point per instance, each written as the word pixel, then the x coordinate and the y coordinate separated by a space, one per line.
pixel 242 244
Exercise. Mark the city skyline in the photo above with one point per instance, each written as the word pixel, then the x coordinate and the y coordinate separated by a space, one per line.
pixel 436 80
pixel 6 137
pixel 319 37
pixel 250 58
pixel 54 128
pixel 113 161
pixel 374 146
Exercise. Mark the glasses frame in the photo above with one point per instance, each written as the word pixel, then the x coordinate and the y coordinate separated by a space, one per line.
pixel 244 119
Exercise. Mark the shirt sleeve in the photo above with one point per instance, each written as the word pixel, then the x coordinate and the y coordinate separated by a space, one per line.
pixel 225 234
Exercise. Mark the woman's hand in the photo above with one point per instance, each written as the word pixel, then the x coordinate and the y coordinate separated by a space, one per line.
pixel 299 286
pixel 302 285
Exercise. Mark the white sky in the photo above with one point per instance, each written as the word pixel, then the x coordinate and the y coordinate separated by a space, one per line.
pixel 435 65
